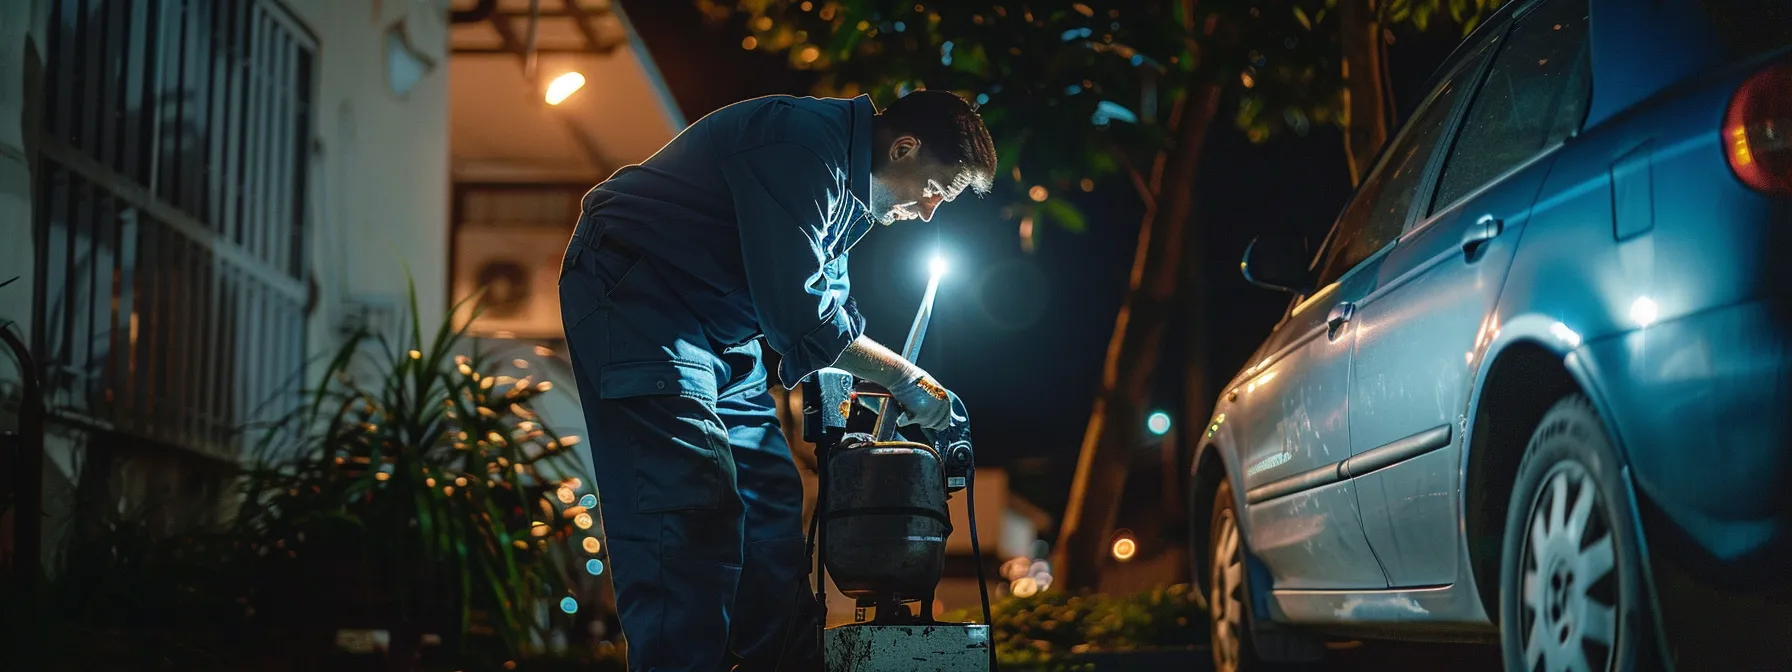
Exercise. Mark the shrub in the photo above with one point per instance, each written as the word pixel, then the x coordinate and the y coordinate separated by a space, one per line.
pixel 1047 630
pixel 418 486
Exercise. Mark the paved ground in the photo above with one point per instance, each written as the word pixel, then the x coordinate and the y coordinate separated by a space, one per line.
pixel 1386 656
pixel 1366 657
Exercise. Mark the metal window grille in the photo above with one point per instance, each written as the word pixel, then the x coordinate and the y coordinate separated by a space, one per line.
pixel 170 215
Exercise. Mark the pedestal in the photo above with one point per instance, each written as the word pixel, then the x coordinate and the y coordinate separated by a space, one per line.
pixel 946 647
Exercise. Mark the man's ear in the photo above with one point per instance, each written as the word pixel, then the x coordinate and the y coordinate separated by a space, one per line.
pixel 904 147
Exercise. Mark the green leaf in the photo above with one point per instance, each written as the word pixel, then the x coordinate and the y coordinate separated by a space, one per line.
pixel 416 329
pixel 1065 214
pixel 1398 11
pixel 973 61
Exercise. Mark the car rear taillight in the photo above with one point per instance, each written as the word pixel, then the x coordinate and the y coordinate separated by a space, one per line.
pixel 1758 131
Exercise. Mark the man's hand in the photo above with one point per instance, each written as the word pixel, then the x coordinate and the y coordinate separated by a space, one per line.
pixel 924 401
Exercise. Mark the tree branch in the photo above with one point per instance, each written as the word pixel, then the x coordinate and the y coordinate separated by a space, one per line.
pixel 1137 176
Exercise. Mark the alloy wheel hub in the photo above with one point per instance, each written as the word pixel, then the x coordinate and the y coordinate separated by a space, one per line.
pixel 1569 605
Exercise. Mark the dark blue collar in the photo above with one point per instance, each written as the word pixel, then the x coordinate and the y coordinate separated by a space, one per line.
pixel 860 144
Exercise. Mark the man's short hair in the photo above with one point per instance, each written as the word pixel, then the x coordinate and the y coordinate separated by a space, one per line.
pixel 950 131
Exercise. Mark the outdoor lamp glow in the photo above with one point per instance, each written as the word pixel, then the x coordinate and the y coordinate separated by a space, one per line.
pixel 564 86
pixel 937 266
pixel 1125 547
pixel 1158 423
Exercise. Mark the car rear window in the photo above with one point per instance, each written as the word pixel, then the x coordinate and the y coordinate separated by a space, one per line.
pixel 1751 27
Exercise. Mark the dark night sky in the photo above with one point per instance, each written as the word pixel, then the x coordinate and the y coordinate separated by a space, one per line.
pixel 1021 337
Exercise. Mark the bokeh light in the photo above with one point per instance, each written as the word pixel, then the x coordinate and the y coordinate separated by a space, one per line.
pixel 1125 548
pixel 563 87
pixel 1015 568
pixel 569 605
pixel 1158 423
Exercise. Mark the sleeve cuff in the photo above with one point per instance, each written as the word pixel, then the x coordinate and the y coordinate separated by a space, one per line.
pixel 821 347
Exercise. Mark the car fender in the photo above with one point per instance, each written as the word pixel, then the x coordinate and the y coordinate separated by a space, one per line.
pixel 1554 336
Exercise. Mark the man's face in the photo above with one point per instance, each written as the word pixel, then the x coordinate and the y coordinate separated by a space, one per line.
pixel 909 186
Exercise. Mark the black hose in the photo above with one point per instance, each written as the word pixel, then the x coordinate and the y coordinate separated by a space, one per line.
pixel 970 508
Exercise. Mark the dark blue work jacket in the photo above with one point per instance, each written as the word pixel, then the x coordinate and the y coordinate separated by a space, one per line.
pixel 738 227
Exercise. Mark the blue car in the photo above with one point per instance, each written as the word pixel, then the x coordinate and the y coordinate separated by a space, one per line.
pixel 1535 386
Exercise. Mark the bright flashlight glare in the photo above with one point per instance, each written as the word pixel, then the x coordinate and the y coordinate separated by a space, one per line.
pixel 563 86
pixel 1644 311
pixel 937 266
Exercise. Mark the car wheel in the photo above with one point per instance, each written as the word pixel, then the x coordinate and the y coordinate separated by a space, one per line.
pixel 1571 591
pixel 1227 591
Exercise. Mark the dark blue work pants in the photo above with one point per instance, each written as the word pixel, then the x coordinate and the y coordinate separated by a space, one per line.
pixel 700 501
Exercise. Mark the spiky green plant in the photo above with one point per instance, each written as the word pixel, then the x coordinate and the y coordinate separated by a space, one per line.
pixel 418 483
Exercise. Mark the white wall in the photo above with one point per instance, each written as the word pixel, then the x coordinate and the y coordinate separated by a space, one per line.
pixel 380 178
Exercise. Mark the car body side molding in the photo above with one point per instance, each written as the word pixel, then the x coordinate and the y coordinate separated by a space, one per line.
pixel 1397 451
pixel 1368 461
pixel 1306 480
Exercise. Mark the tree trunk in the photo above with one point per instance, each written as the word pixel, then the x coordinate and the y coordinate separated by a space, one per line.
pixel 1366 101
pixel 1113 431
pixel 1197 405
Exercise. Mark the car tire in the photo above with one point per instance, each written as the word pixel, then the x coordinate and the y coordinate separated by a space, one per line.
pixel 1232 634
pixel 1571 583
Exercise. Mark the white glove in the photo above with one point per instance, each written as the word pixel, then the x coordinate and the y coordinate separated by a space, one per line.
pixel 924 402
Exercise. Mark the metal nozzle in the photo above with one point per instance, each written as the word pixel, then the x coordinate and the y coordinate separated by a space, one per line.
pixel 911 349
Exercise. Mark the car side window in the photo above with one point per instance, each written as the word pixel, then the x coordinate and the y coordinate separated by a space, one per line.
pixel 1377 214
pixel 1535 95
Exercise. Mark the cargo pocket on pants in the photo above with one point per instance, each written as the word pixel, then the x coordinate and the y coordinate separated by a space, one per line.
pixel 681 453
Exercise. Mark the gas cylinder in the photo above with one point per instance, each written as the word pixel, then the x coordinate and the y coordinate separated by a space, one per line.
pixel 886 520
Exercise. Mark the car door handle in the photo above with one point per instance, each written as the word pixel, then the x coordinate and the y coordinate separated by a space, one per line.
pixel 1484 229
pixel 1341 314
